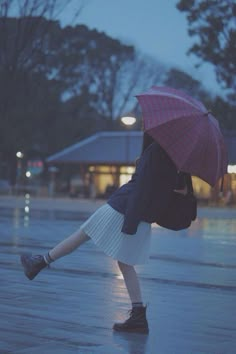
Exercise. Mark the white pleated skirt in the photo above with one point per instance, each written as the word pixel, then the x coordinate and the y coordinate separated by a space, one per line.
pixel 104 228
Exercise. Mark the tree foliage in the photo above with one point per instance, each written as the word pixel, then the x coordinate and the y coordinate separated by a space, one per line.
pixel 181 80
pixel 213 26
pixel 23 86
pixel 224 112
pixel 72 81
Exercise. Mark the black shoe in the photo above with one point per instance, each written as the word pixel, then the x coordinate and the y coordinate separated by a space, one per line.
pixel 32 265
pixel 137 322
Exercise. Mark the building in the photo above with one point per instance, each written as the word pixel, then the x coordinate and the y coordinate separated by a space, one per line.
pixel 101 162
pixel 106 160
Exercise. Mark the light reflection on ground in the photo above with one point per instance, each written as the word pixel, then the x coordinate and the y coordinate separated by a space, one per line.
pixel 189 283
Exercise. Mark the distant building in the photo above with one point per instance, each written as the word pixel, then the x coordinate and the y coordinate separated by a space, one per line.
pixel 106 160
pixel 101 162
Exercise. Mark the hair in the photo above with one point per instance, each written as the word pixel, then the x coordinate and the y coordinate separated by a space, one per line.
pixel 147 140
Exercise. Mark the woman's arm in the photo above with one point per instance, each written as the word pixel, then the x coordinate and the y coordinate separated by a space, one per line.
pixel 156 176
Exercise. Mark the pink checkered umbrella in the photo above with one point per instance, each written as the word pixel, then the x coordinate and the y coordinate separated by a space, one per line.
pixel 186 130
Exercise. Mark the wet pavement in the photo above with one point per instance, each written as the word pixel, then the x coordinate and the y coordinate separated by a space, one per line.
pixel 189 285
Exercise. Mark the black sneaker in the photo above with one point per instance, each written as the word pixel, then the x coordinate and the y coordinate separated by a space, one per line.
pixel 32 265
pixel 137 322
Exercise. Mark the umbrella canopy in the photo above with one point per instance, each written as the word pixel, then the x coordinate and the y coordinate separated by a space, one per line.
pixel 186 130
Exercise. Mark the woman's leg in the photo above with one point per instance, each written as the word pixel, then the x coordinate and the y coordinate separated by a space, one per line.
pixel 137 322
pixel 68 245
pixel 131 282
pixel 34 264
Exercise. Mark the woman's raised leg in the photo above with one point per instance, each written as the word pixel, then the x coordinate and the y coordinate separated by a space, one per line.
pixel 34 264
pixel 68 245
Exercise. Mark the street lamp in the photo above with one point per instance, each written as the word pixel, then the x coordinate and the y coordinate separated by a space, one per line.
pixel 19 154
pixel 20 157
pixel 128 121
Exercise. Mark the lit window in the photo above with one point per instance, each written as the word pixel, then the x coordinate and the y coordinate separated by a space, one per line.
pixel 231 168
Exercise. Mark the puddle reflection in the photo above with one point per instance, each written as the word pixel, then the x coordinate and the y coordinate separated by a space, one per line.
pixel 207 228
pixel 27 210
pixel 16 218
pixel 132 343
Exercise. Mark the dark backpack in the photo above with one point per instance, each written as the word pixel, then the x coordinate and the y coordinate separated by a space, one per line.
pixel 181 209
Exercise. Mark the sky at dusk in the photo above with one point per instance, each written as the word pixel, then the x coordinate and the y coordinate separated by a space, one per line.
pixel 155 27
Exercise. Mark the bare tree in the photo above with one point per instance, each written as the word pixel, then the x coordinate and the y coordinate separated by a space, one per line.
pixel 132 78
pixel 23 32
pixel 114 76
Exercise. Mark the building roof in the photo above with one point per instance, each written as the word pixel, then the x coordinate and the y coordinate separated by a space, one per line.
pixel 118 148
pixel 104 147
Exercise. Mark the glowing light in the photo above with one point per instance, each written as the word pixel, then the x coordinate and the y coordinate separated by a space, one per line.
pixel 130 169
pixel 128 120
pixel 19 154
pixel 28 174
pixel 231 168
pixel 26 220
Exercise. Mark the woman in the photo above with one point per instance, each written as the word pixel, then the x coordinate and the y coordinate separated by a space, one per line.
pixel 122 227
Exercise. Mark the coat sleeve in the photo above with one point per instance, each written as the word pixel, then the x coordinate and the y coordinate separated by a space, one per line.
pixel 155 181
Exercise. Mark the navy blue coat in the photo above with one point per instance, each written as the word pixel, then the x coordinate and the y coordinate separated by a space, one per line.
pixel 148 191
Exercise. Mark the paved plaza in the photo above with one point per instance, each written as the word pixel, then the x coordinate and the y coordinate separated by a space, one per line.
pixel 189 285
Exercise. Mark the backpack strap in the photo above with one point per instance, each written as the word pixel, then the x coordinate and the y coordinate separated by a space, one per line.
pixel 189 183
pixel 184 179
